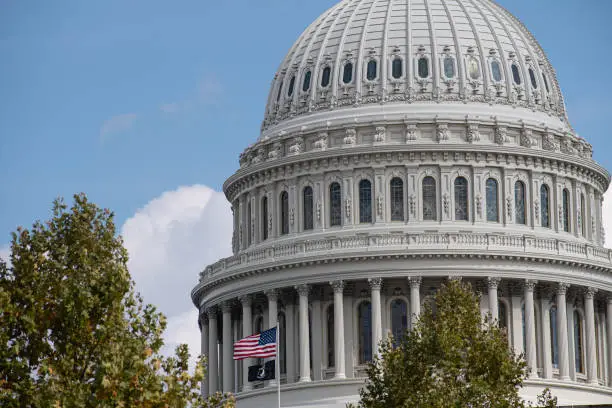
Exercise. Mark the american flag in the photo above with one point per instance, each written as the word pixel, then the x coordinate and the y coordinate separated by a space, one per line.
pixel 260 345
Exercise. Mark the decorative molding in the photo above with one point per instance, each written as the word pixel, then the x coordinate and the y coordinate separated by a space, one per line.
pixel 375 283
pixel 415 281
pixel 562 288
pixel 303 290
pixel 493 282
pixel 338 286
pixel 530 284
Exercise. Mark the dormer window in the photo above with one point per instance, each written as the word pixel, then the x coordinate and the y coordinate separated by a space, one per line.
pixel 473 68
pixel 397 69
pixel 371 71
pixel 423 67
pixel 534 83
pixel 449 67
pixel 325 78
pixel 516 75
pixel 347 76
pixel 306 84
pixel 496 71
pixel 291 86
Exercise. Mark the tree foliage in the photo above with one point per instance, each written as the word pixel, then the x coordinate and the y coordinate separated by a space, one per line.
pixel 451 359
pixel 73 332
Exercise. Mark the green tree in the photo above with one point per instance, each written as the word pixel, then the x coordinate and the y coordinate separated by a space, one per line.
pixel 451 359
pixel 74 333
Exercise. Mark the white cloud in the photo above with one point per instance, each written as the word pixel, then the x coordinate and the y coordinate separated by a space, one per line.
pixel 170 241
pixel 607 217
pixel 117 124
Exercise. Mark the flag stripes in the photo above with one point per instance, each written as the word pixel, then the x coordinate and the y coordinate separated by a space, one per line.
pixel 260 345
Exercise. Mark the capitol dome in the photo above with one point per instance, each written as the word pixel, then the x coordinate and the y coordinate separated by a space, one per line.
pixel 405 143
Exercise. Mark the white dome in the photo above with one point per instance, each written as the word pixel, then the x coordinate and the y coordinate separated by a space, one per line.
pixel 468 51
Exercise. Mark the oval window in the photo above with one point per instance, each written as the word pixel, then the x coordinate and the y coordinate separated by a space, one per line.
pixel 545 82
pixel 473 68
pixel 291 86
pixel 534 83
pixel 347 76
pixel 326 77
pixel 449 67
pixel 397 69
pixel 371 74
pixel 515 74
pixel 306 84
pixel 496 71
pixel 423 66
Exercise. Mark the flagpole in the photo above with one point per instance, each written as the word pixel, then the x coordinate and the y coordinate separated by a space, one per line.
pixel 277 369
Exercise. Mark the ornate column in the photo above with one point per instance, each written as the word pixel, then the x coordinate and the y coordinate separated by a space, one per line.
pixel 228 364
pixel 609 320
pixel 493 283
pixel 339 329
pixel 204 346
pixel 545 337
pixel 530 334
pixel 272 296
pixel 415 299
pixel 213 364
pixel 591 354
pixel 562 331
pixel 304 334
pixel 375 286
pixel 247 330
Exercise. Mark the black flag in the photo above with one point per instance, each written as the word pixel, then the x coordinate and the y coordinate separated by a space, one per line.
pixel 262 372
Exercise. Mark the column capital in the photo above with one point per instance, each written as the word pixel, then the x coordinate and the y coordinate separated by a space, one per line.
pixel 272 294
pixel 226 306
pixel 302 290
pixel 246 300
pixel 375 283
pixel 530 284
pixel 590 292
pixel 562 288
pixel 493 282
pixel 415 281
pixel 203 319
pixel 338 286
pixel 212 311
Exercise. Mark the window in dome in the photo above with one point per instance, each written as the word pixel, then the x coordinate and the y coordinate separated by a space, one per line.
pixel 430 209
pixel 280 90
pixel 372 68
pixel 364 316
pixel 365 201
pixel 496 70
pixel 284 204
pixel 545 82
pixel 397 199
pixel 492 200
pixel 554 337
pixel 335 205
pixel 347 76
pixel 331 356
pixel 291 86
pixel 473 68
pixel 306 84
pixel 325 78
pixel 399 320
pixel 582 214
pixel 461 199
pixel 397 68
pixel 308 209
pixel 545 205
pixel 516 75
pixel 534 83
pixel 566 210
pixel 449 67
pixel 423 66
pixel 578 343
pixel 264 218
pixel 520 213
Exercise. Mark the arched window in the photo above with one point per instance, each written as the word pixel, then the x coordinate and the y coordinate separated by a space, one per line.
pixel 545 205
pixel 399 320
pixel 331 358
pixel 291 86
pixel 249 224
pixel 306 84
pixel 280 90
pixel 496 71
pixel 326 77
pixel 532 76
pixel 282 335
pixel 397 70
pixel 365 201
pixel 492 200
pixel 364 316
pixel 397 199
pixel 347 76
pixel 372 70
pixel 335 205
pixel 449 67
pixel 308 209
pixel 284 204
pixel 582 215
pixel 473 68
pixel 516 75
pixel 430 208
pixel 566 210
pixel 502 315
pixel 520 213
pixel 578 342
pixel 545 82
pixel 423 67
pixel 554 337
pixel 264 218
pixel 461 199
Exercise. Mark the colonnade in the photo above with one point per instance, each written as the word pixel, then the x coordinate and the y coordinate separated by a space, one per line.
pixel 535 340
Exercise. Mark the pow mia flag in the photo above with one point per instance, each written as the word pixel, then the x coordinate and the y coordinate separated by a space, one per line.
pixel 262 372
